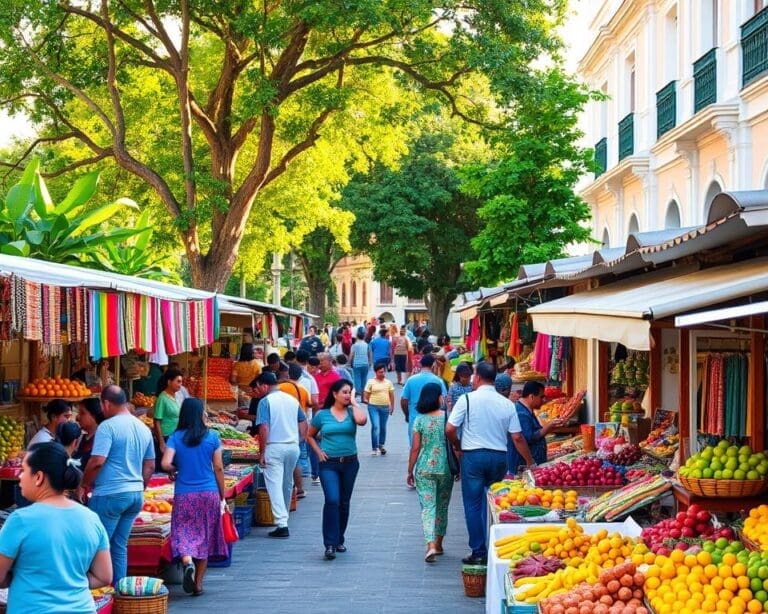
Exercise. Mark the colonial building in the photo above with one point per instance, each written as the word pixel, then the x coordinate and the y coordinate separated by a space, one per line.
pixel 685 114
pixel 360 297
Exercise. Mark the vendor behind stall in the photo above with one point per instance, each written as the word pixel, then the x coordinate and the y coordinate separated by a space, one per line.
pixel 148 384
pixel 166 416
pixel 58 411
pixel 246 369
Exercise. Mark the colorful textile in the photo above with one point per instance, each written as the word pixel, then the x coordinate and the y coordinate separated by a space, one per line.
pixel 33 323
pixel 541 354
pixel 196 526
pixel 5 309
pixel 51 317
pixel 76 315
pixel 433 479
pixel 515 349
pixel 106 324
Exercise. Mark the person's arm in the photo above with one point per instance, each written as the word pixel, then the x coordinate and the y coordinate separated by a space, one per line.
pixel 367 392
pixel 404 399
pixel 413 456
pixel 233 374
pixel 100 573
pixel 391 402
pixel 302 418
pixel 263 438
pixel 147 469
pixel 312 432
pixel 95 463
pixel 358 415
pixel 218 471
pixel 522 447
pixel 5 571
pixel 167 461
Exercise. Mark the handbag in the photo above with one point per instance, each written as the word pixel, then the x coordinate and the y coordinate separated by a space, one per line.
pixel 453 462
pixel 228 526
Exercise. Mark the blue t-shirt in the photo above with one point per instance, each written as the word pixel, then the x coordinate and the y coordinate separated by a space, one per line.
pixel 358 354
pixel 52 550
pixel 380 349
pixel 338 437
pixel 127 443
pixel 413 387
pixel 194 465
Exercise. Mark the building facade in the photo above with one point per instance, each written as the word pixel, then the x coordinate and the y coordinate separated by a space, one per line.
pixel 360 297
pixel 684 115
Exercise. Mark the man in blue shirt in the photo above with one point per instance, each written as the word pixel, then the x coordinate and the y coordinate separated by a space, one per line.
pixel 381 348
pixel 413 387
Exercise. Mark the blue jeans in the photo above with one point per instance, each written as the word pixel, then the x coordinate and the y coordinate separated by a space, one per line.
pixel 117 513
pixel 314 463
pixel 479 469
pixel 379 415
pixel 338 480
pixel 304 463
pixel 361 377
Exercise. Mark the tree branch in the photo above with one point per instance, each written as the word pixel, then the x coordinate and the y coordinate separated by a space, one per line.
pixel 162 34
pixel 35 143
pixel 80 163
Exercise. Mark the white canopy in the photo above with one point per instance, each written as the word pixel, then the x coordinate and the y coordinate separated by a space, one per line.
pixel 622 311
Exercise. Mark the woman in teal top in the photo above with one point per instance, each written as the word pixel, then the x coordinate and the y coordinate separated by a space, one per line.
pixel 337 422
pixel 166 415
pixel 428 468
pixel 52 571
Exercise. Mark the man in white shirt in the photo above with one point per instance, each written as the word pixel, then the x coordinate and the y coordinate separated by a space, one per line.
pixel 487 420
pixel 281 423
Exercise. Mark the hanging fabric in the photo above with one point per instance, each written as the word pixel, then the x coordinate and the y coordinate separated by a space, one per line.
pixel 77 315
pixel 6 308
pixel 18 305
pixel 515 348
pixel 541 354
pixel 106 324
pixel 33 323
pixel 51 319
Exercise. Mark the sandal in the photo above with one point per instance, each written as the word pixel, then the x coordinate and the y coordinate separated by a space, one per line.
pixel 188 583
pixel 300 494
pixel 430 556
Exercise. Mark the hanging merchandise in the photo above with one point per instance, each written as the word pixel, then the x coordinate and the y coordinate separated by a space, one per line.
pixel 33 325
pixel 723 409
pixel 6 308
pixel 542 355
pixel 77 314
pixel 559 348
pixel 515 349
pixel 106 330
pixel 18 305
pixel 51 319
pixel 474 334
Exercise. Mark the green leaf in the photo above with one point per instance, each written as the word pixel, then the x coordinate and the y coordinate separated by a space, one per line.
pixel 143 240
pixel 34 237
pixel 43 202
pixel 80 193
pixel 59 228
pixel 96 216
pixel 18 201
pixel 15 248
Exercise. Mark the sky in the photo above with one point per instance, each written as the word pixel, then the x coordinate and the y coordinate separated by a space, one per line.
pixel 573 33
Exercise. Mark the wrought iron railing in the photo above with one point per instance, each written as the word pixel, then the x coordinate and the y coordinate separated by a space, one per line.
pixel 705 80
pixel 666 109
pixel 627 136
pixel 601 156
pixel 754 47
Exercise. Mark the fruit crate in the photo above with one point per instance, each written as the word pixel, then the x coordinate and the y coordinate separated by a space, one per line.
pixel 509 605
pixel 243 519
pixel 722 488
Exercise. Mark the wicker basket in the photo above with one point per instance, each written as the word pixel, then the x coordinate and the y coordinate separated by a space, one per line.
pixel 152 604
pixel 722 488
pixel 474 580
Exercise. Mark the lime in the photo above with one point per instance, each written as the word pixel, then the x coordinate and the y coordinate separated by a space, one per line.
pixel 739 474
pixel 756 584
pixel 535 547
pixel 732 464
pixel 761 596
pixel 708 473
pixel 753 475
pixel 745 451
pixel 737 546
pixel 723 444
pixel 715 465
pixel 727 474
pixel 721 543
pixel 732 452
pixel 762 572
pixel 718 475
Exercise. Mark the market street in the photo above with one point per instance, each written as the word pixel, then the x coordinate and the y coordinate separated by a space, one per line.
pixel 383 571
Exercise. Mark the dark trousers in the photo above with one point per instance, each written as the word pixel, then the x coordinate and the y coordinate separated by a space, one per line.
pixel 338 480
pixel 479 469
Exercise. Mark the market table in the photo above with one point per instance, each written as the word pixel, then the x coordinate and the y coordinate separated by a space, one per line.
pixel 685 499
pixel 494 584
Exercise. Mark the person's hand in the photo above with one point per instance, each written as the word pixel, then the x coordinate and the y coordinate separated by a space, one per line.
pixel 80 494
pixel 322 456
pixel 172 475
pixel 391 410
pixel 410 480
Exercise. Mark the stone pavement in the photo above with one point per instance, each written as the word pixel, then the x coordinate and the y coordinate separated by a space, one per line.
pixel 382 572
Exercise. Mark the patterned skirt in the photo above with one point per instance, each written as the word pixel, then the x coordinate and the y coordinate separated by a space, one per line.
pixel 196 526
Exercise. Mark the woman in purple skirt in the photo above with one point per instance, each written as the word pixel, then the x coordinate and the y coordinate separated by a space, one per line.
pixel 193 459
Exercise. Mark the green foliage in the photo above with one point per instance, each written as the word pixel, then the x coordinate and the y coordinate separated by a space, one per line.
pixel 415 224
pixel 69 232
pixel 530 212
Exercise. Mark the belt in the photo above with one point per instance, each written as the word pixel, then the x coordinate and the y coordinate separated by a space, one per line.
pixel 484 450
pixel 341 459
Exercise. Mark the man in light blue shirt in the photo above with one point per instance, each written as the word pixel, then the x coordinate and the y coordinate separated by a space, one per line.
pixel 381 348
pixel 119 469
pixel 413 387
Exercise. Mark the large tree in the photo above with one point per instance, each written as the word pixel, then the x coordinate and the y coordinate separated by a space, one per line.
pixel 210 102
pixel 415 224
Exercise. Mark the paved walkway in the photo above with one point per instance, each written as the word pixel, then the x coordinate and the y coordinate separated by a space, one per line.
pixel 382 572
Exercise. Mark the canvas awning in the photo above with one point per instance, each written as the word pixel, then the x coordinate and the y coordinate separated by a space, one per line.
pixel 725 313
pixel 622 311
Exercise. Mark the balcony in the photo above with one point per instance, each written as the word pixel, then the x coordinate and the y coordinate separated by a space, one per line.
pixel 601 156
pixel 754 47
pixel 705 80
pixel 627 136
pixel 666 109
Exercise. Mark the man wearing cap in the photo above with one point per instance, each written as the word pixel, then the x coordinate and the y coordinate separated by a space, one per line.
pixel 487 420
pixel 282 424
pixel 413 387
pixel 530 400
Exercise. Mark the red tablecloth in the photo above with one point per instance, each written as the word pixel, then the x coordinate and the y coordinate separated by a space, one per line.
pixel 148 558
pixel 239 487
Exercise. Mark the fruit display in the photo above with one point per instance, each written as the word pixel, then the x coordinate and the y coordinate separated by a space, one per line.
pixel 625 406
pixel 56 387
pixel 11 438
pixel 157 507
pixel 239 447
pixel 639 492
pixel 582 471
pixel 618 590
pixel 560 447
pixel 662 445
pixel 563 408
pixel 632 371
pixel 227 432
pixel 148 420
pixel 220 367
pixel 718 576
pixel 509 494
pixel 218 388
pixel 756 527
pixel 726 462
pixel 564 543
pixel 677 533
pixel 535 565
pixel 625 455
pixel 143 400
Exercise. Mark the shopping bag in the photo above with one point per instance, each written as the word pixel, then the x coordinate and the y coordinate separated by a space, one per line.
pixel 228 527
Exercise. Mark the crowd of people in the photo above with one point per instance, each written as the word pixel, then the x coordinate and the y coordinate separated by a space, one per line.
pixel 464 423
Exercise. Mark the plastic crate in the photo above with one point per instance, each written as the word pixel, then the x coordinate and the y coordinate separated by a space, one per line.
pixel 218 561
pixel 243 519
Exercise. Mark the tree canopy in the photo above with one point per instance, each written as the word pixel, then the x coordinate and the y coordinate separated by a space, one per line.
pixel 210 103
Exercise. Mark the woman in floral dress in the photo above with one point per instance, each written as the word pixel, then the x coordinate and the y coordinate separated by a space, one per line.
pixel 428 469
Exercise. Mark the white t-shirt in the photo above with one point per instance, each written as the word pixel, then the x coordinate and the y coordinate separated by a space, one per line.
pixel 491 418
pixel 282 413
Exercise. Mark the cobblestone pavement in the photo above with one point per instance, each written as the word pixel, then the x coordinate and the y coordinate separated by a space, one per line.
pixel 383 571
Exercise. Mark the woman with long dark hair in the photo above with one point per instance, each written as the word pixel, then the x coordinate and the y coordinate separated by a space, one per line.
pixel 337 422
pixel 428 468
pixel 193 460
pixel 166 415
pixel 49 570
pixel 89 416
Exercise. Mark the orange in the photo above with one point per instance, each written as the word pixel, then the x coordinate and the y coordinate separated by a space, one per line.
pixel 710 571
pixel 677 556
pixel 725 570
pixel 729 558
pixel 690 561
pixel 754 606
pixel 704 558
pixel 739 569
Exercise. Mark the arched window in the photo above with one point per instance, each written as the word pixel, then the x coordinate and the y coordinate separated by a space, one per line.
pixel 343 295
pixel 606 238
pixel 353 294
pixel 672 218
pixel 633 226
pixel 364 298
pixel 713 190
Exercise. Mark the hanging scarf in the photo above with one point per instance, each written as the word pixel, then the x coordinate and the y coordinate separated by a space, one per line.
pixel 18 305
pixel 33 322
pixel 51 310
pixel 6 309
pixel 541 354
pixel 514 349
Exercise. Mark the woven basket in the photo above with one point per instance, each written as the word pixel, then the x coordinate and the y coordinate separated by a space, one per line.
pixel 722 488
pixel 153 604
pixel 474 580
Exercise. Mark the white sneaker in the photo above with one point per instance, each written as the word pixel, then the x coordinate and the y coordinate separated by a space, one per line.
pixel 316 481
pixel 375 452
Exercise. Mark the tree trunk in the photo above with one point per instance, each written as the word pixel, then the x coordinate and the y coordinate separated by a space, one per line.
pixel 316 287
pixel 438 308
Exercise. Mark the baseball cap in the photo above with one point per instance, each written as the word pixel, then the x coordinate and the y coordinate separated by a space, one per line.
pixel 503 383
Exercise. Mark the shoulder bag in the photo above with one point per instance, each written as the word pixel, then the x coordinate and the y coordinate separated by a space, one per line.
pixel 453 462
